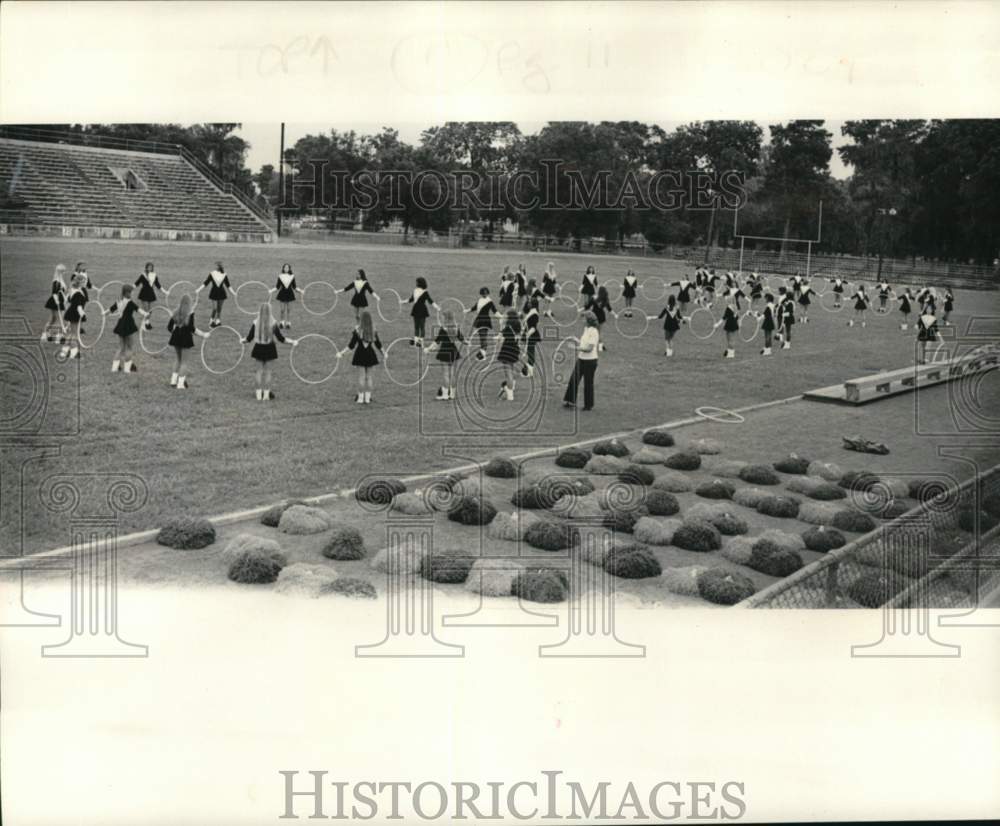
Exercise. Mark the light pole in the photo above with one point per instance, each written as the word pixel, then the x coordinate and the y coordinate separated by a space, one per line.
pixel 891 212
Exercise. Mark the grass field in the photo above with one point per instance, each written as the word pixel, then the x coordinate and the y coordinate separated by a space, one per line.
pixel 215 448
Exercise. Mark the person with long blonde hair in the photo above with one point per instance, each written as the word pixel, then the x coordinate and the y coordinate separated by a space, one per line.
pixel 74 315
pixel 263 333
pixel 366 346
pixel 55 303
pixel 182 331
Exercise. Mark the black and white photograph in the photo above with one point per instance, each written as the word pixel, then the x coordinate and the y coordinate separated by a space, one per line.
pixel 411 410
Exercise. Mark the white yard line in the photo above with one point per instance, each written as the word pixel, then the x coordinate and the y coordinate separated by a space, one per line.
pixel 239 516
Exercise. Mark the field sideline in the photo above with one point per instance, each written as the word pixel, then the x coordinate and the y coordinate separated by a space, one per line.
pixel 215 449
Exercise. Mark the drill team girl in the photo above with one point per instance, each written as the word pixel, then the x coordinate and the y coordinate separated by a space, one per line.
pixel 148 283
pixel 286 288
pixel 448 343
pixel 683 294
pixel 530 336
pixel 861 305
pixel 927 330
pixel 219 286
pixel 125 329
pixel 362 289
pixel 366 346
pixel 507 288
pixel 182 331
pixel 74 315
pixel 263 333
pixel 420 298
pixel 905 308
pixel 672 318
pixel 510 353
pixel 768 323
pixel 482 324
pixel 588 287
pixel 949 305
pixel 786 317
pixel 628 292
pixel 730 323
pixel 599 305
pixel 55 304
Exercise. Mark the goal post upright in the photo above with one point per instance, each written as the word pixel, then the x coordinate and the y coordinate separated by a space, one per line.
pixel 783 240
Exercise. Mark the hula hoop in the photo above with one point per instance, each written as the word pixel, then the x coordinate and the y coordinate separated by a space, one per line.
pixel 664 289
pixel 611 285
pixel 571 303
pixel 756 326
pixel 691 323
pixel 142 329
pixel 336 296
pixel 298 375
pixel 236 296
pixel 399 303
pixel 937 351
pixel 193 292
pixel 640 334
pixel 459 313
pixel 243 349
pixel 100 290
pixel 89 317
pixel 719 414
pixel 832 308
pixel 560 359
pixel 421 359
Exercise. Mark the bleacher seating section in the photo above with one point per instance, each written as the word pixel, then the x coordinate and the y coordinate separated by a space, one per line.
pixel 74 186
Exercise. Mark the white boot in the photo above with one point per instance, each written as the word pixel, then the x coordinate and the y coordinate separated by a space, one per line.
pixel 129 367
pixel 509 394
pixel 368 397
pixel 730 354
pixel 451 393
pixel 360 399
pixel 442 393
pixel 74 353
pixel 786 346
pixel 903 327
pixel 173 379
pixel 116 365
pixel 850 323
pixel 766 351
pixel 182 383
pixel 260 395
pixel 64 352
pixel 864 323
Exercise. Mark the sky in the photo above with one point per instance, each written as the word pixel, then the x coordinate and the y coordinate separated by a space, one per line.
pixel 265 138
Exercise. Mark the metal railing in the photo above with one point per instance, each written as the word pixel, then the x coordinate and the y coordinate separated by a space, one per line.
pixel 92 140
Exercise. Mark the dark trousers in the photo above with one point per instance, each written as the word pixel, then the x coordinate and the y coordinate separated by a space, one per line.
pixel 584 371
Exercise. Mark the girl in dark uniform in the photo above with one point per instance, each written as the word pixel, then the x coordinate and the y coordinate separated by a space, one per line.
pixel 218 281
pixel 949 305
pixel 125 329
pixel 805 291
pixel 366 346
pixel 588 287
pixel 448 343
pixel 420 298
pixel 786 317
pixel 883 296
pixel 361 287
pixel 182 331
pixel 838 291
pixel 74 315
pixel 927 330
pixel 683 294
pixel 768 323
pixel 148 284
pixel 628 292
pixel 521 278
pixel 530 335
pixel 730 323
pixel 905 307
pixel 263 333
pixel 672 319
pixel 55 304
pixel 507 288
pixel 482 325
pixel 599 305
pixel 81 270
pixel 550 285
pixel 510 353
pixel 861 304
pixel 285 287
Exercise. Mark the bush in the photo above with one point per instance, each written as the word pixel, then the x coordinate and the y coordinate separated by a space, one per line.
pixel 636 475
pixel 660 503
pixel 471 510
pixel 673 482
pixel 405 560
pixel 493 577
pixel 303 580
pixel 254 568
pixel 825 470
pixel 632 563
pixel 500 468
pixel 793 464
pixel 720 515
pixel 725 587
pixel 729 524
pixel 379 491
pixel 345 544
pixel 467 486
pixel 723 468
pixel 782 507
pixel 967 522
pixel 652 531
pixel 257 544
pixel 773 560
pixel 611 447
pixel 606 465
pixel 658 438
pixel 302 520
pixel 705 447
pixel 716 489
pixel 549 536
pixel 697 536
pixel 818 513
pixel 854 521
pixel 510 526
pixel 859 480
pixel 683 460
pixel 784 539
pixel 349 586
pixel 413 504
pixel 649 456
pixel 530 497
pixel 822 540
pixel 895 509
pixel 448 566
pixel 540 585
pixel 750 497
pixel 579 507
pixel 272 515
pixel 816 488
pixel 739 549
pixel 683 581
pixel 991 504
pixel 621 520
pixel 573 457
pixel 874 589
pixel 187 534
pixel 760 475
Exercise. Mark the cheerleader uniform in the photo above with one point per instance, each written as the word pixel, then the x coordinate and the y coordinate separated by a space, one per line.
pixel 361 289
pixel 927 329
pixel 786 317
pixel 671 321
pixel 447 346
pixel 365 352
pixel 949 305
pixel 507 294
pixel 531 338
pixel 522 285
pixel 731 324
pixel 181 335
pixel 510 351
pixel 74 306
pixel 536 297
pixel 883 295
pixel 265 352
pixel 598 309
pixel 148 284
pixel 219 282
pixel 905 308
pixel 589 286
pixel 126 325
pixel 684 293
pixel 860 301
pixel 756 290
pixel 628 286
pixel 804 300
pixel 484 309
pixel 57 296
pixel 419 312
pixel 548 286
pixel 768 325
pixel 838 288
pixel 285 288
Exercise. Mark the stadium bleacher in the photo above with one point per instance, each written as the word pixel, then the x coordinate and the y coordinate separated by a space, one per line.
pixel 62 185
